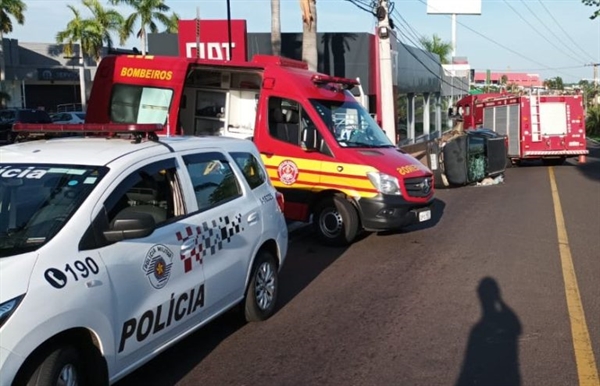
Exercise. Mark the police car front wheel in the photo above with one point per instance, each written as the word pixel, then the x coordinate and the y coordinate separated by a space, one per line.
pixel 62 367
pixel 261 294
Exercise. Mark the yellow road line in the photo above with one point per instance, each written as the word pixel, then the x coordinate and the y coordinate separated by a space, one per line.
pixel 584 354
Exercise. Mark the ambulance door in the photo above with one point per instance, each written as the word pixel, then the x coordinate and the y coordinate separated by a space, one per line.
pixel 156 280
pixel 294 169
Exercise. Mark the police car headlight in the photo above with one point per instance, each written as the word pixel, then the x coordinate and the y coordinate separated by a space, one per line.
pixel 384 183
pixel 8 307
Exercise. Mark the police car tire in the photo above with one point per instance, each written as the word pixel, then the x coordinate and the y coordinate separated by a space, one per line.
pixel 349 218
pixel 48 371
pixel 252 311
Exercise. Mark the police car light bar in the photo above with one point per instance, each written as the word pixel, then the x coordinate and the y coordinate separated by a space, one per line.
pixel 87 128
pixel 325 79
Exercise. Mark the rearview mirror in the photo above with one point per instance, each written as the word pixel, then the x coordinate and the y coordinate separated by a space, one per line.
pixel 130 225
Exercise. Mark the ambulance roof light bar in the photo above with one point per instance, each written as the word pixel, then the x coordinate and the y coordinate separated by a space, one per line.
pixel 325 79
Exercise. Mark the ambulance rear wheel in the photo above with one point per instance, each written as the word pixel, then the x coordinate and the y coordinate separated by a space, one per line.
pixel 336 221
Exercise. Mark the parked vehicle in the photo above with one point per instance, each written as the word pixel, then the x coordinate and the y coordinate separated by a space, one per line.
pixel 323 151
pixel 113 249
pixel 546 127
pixel 9 117
pixel 69 117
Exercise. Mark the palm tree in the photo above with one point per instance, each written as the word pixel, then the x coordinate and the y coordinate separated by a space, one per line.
pixel 592 121
pixel 275 27
pixel 435 45
pixel 8 9
pixel 147 11
pixel 104 20
pixel 84 32
pixel 309 33
pixel 173 26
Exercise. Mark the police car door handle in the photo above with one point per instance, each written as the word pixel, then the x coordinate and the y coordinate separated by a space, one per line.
pixel 189 244
pixel 253 218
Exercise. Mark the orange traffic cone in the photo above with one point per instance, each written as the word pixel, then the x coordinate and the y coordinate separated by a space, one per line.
pixel 582 159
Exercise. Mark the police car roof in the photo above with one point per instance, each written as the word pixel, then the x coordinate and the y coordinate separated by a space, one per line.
pixel 101 151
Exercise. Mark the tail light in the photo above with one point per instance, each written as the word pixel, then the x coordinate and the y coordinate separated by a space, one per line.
pixel 280 200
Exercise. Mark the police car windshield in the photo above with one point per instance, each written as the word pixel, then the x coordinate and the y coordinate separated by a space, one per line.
pixel 350 124
pixel 37 200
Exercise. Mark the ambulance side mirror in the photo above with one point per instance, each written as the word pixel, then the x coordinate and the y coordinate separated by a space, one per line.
pixel 309 139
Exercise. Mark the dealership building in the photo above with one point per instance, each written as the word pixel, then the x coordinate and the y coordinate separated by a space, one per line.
pixel 39 75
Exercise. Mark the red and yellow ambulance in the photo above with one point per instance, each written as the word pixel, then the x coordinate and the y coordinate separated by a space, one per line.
pixel 323 151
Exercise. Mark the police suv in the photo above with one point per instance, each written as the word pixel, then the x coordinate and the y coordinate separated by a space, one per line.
pixel 113 248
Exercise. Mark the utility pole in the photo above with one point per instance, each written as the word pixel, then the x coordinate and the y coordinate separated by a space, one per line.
pixel 595 65
pixel 384 34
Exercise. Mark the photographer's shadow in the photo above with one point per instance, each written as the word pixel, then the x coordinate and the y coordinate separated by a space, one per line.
pixel 492 354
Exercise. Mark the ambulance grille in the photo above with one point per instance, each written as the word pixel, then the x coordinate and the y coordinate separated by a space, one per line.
pixel 418 187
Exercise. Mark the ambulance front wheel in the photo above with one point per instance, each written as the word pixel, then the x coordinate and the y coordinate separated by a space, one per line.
pixel 336 221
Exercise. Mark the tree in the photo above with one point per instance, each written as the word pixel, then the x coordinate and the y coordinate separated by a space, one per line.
pixel 146 12
pixel 275 27
pixel 592 121
pixel 504 80
pixel 593 3
pixel 555 83
pixel 84 32
pixel 8 9
pixel 435 45
pixel 310 53
pixel 104 21
pixel 173 26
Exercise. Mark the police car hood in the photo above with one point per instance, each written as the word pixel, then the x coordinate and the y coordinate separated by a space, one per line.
pixel 15 272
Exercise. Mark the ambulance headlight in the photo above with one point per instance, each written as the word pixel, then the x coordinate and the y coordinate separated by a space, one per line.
pixel 384 183
pixel 8 307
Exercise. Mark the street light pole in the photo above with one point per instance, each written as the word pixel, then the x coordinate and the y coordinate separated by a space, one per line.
pixel 229 27
pixel 384 35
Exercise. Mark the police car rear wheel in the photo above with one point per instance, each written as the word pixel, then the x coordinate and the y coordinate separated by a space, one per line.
pixel 261 294
pixel 336 221
pixel 61 368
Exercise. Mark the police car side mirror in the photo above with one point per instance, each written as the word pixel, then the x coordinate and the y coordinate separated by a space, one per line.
pixel 130 225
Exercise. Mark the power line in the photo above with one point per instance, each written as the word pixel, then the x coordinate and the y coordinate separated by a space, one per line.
pixel 503 46
pixel 548 28
pixel 538 32
pixel 565 32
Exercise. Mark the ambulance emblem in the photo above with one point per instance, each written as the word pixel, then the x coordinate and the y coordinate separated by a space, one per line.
pixel 287 172
pixel 157 265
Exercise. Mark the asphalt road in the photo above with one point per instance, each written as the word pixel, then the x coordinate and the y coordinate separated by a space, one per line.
pixel 408 308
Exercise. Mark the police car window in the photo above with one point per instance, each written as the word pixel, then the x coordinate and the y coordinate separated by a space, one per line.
pixel 153 190
pixel 137 104
pixel 36 201
pixel 251 168
pixel 213 179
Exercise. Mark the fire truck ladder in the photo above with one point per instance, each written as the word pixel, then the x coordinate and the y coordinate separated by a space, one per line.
pixel 536 131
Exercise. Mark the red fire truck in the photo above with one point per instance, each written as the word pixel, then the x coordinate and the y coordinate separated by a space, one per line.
pixel 546 127
pixel 323 151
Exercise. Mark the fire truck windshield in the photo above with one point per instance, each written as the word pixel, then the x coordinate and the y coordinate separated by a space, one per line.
pixel 139 104
pixel 350 124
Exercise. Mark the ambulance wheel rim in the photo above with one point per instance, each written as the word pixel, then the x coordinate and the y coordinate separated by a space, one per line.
pixel 331 223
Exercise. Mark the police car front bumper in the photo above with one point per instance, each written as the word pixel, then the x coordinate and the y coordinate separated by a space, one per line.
pixel 384 212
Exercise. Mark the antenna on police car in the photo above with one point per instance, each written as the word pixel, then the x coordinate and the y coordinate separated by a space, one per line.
pixel 197 32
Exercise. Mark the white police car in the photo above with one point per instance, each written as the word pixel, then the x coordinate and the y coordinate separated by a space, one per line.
pixel 111 250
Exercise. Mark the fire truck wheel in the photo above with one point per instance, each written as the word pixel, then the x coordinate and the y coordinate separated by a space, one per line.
pixel 336 221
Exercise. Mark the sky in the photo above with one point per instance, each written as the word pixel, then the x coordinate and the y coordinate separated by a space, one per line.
pixel 546 37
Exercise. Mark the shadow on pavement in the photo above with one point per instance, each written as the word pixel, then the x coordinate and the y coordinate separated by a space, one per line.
pixel 591 169
pixel 492 353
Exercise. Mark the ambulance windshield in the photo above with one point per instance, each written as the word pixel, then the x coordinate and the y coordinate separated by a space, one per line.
pixel 139 104
pixel 350 124
pixel 36 201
